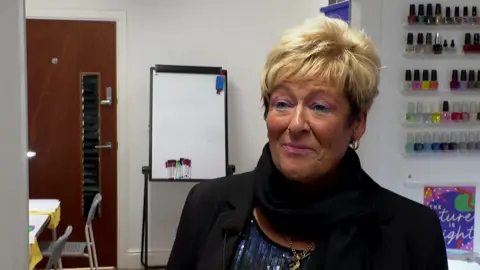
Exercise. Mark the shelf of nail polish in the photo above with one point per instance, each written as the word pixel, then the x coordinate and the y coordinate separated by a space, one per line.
pixel 473 56
pixel 443 153
pixel 472 83
pixel 442 26
pixel 463 114
pixel 439 18
pixel 462 84
pixel 441 92
pixel 433 143
pixel 426 83
pixel 430 44
pixel 435 47
pixel 442 123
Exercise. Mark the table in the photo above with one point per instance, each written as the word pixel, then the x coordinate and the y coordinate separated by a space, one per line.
pixel 42 213
pixel 36 224
pixel 49 207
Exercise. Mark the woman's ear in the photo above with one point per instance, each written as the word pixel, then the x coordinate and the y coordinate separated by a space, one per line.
pixel 359 126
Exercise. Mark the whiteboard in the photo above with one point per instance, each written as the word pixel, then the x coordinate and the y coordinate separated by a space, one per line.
pixel 188 121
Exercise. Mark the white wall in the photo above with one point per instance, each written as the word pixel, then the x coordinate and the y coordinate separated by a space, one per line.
pixel 13 140
pixel 233 34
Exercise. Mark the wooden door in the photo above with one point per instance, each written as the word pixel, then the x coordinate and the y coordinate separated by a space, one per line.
pixel 71 64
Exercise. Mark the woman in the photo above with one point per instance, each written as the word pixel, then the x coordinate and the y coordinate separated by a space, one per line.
pixel 308 204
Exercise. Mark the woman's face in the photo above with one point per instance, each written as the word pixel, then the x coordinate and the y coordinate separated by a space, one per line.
pixel 309 129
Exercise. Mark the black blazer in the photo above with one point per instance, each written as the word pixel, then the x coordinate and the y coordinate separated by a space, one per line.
pixel 411 240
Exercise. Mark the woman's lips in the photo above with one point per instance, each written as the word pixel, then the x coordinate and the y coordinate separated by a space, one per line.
pixel 296 149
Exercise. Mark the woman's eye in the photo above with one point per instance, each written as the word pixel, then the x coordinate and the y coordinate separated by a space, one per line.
pixel 281 105
pixel 320 108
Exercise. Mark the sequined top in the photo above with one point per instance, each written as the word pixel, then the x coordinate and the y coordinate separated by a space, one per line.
pixel 257 252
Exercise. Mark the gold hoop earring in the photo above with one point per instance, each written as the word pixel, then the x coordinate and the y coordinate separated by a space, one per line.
pixel 355 145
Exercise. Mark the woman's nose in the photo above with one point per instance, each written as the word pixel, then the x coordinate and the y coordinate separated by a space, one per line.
pixel 299 123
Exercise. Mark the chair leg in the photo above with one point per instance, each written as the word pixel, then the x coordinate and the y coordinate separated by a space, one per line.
pixel 89 248
pixel 58 265
pixel 94 249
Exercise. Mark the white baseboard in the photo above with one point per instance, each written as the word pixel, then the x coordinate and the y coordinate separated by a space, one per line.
pixel 131 259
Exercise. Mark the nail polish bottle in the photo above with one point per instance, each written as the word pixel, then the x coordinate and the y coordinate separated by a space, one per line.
pixel 477 142
pixel 425 80
pixel 466 18
pixel 463 80
pixel 454 83
pixel 453 145
pixel 476 43
pixel 437 47
pixel 465 112
pixel 428 47
pixel 471 79
pixel 477 83
pixel 457 19
pixel 427 115
pixel 473 109
pixel 436 142
pixel 438 14
pixel 418 145
pixel 478 114
pixel 419 46
pixel 410 116
pixel 446 49
pixel 417 84
pixel 412 16
pixel 421 14
pixel 409 146
pixel 408 80
pixel 436 115
pixel 474 18
pixel 448 16
pixel 467 46
pixel 452 48
pixel 419 116
pixel 410 48
pixel 427 141
pixel 434 81
pixel 445 143
pixel 445 112
pixel 456 114
pixel 430 19
pixel 471 141
pixel 462 144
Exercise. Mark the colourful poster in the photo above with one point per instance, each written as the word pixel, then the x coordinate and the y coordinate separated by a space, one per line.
pixel 455 207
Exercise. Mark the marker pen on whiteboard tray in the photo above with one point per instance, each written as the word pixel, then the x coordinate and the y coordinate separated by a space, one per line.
pixel 189 168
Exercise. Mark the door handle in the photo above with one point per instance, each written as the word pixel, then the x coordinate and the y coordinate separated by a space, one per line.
pixel 108 101
pixel 106 145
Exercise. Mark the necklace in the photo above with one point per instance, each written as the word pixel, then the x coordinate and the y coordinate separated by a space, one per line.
pixel 297 258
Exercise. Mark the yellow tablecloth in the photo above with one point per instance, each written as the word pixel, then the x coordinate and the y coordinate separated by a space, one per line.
pixel 53 221
pixel 54 217
pixel 35 255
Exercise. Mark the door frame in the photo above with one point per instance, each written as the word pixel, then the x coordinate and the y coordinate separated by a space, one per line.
pixel 120 17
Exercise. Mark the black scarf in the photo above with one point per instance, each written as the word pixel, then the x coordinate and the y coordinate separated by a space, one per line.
pixel 341 217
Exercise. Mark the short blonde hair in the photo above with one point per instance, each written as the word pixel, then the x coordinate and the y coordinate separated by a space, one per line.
pixel 329 49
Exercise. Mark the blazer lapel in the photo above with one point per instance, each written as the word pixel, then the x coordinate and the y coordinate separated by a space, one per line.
pixel 221 243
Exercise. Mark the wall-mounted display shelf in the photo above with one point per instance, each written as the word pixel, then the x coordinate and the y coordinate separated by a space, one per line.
pixel 445 124
pixel 449 128
pixel 440 153
pixel 442 26
pixel 441 92
pixel 439 143
pixel 463 56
